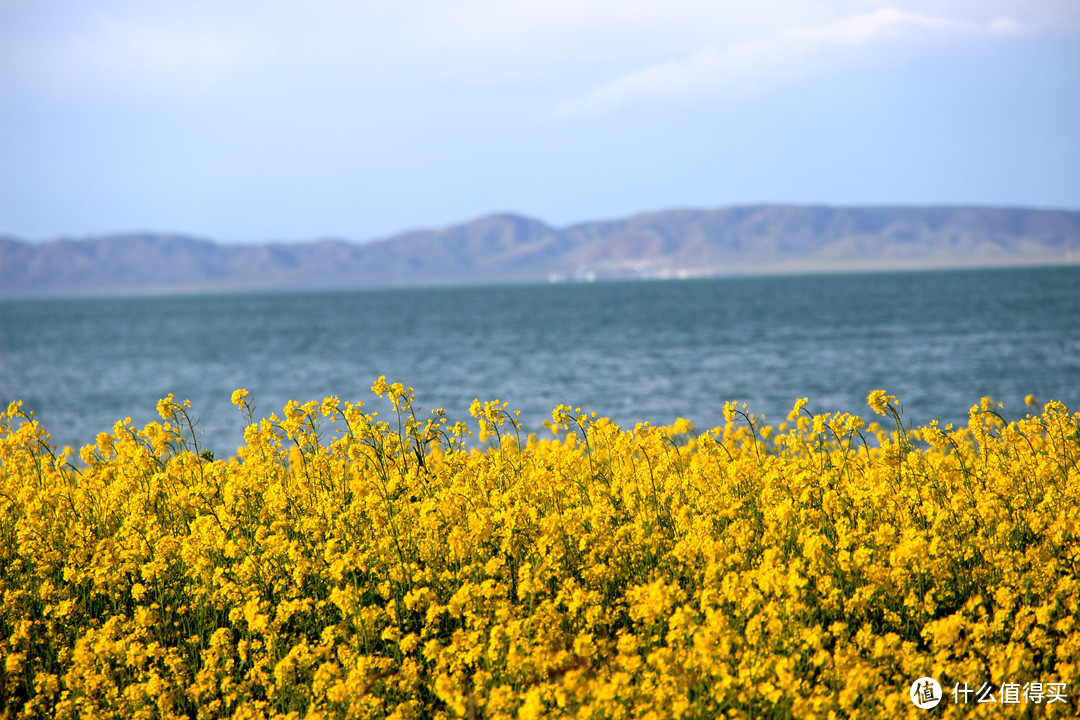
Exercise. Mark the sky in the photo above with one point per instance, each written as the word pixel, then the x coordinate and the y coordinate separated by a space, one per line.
pixel 256 120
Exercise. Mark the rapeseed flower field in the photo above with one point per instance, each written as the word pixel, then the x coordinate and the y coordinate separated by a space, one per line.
pixel 350 565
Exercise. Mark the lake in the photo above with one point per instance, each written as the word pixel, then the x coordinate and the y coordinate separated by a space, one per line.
pixel 631 351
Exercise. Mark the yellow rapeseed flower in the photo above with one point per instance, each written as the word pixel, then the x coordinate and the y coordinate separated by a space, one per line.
pixel 395 570
pixel 879 401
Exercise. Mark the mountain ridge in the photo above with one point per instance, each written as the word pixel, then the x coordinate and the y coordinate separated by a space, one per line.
pixel 507 247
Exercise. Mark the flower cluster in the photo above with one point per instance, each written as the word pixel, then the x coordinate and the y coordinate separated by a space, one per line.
pixel 343 565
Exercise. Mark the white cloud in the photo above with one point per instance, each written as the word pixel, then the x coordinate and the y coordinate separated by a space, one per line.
pixel 121 47
pixel 741 67
pixel 646 48
pixel 186 59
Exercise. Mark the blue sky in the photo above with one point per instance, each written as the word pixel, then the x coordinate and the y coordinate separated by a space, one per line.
pixel 271 120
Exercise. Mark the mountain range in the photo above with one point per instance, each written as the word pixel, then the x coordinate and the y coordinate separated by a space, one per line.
pixel 505 248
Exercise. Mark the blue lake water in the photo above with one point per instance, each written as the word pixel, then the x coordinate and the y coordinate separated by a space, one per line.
pixel 631 351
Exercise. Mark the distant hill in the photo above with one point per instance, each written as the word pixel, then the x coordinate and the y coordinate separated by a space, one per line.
pixel 510 248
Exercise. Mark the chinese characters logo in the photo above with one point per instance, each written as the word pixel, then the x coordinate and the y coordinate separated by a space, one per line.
pixel 925 693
